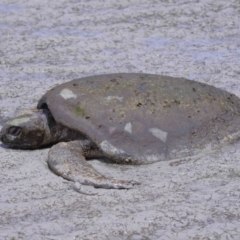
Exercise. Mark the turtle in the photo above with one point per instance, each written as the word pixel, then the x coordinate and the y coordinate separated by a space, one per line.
pixel 127 118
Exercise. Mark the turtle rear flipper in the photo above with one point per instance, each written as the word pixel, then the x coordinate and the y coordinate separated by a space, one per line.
pixel 68 160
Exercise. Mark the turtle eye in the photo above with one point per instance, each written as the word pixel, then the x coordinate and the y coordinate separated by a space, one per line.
pixel 15 131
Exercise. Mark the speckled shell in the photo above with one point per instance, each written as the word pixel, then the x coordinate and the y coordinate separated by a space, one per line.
pixel 149 117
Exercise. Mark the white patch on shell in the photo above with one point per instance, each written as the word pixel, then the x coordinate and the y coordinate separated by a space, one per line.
pixel 109 98
pixel 128 127
pixel 18 121
pixel 67 93
pixel 109 148
pixel 158 133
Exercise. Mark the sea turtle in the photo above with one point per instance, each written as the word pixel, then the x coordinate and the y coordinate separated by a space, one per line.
pixel 129 118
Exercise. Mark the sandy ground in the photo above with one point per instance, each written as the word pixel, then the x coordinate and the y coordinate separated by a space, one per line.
pixel 44 43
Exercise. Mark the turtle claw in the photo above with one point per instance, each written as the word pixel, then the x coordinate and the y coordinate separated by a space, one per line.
pixel 133 182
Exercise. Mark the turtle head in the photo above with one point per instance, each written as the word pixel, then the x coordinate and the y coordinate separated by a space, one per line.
pixel 30 130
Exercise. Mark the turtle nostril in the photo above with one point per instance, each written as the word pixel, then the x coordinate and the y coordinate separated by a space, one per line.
pixel 15 131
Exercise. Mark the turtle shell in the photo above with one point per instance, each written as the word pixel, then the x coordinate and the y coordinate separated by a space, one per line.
pixel 150 117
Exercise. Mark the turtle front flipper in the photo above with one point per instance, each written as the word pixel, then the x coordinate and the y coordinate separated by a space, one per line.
pixel 68 160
